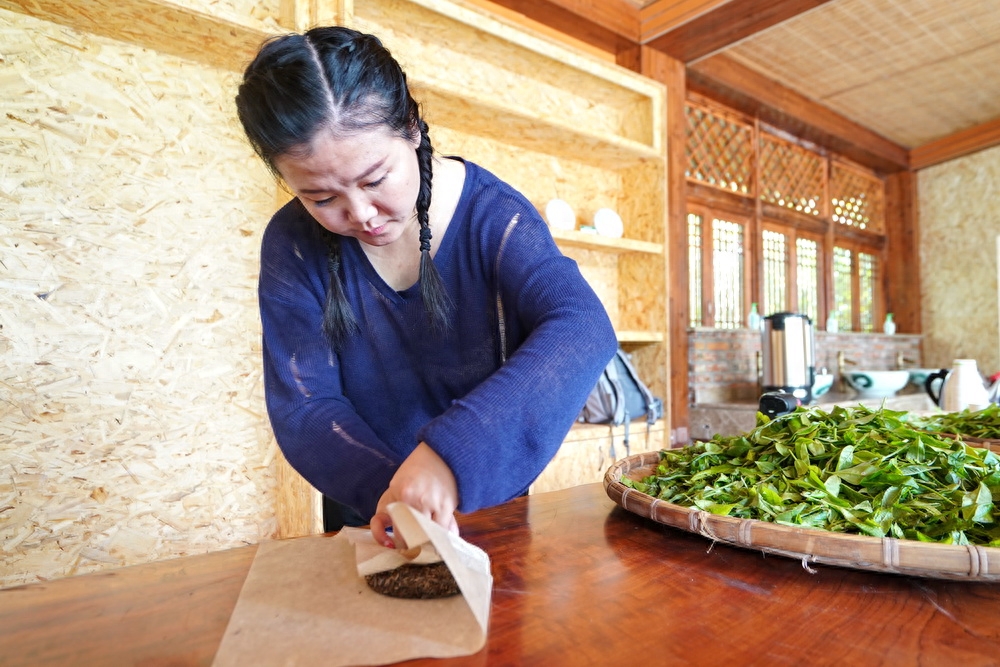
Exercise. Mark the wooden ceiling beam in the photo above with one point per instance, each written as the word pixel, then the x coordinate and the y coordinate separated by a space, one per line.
pixel 965 142
pixel 617 26
pixel 689 30
pixel 610 25
pixel 727 81
pixel 661 16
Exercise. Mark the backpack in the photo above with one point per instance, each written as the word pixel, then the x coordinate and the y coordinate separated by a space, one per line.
pixel 619 397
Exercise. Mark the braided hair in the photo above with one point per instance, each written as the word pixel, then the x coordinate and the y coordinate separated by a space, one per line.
pixel 341 80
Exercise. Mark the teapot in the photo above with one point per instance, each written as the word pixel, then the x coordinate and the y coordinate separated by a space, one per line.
pixel 959 388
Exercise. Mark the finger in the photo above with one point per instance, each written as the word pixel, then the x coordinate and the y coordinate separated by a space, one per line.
pixel 445 519
pixel 379 523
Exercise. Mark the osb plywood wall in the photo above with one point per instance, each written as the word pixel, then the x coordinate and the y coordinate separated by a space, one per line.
pixel 959 224
pixel 132 425
pixel 264 11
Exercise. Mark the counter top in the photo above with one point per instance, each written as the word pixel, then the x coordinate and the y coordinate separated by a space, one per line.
pixel 917 400
pixel 577 580
pixel 729 419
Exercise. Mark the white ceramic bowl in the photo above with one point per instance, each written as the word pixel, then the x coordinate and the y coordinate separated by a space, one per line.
pixel 560 215
pixel 822 384
pixel 877 384
pixel 919 375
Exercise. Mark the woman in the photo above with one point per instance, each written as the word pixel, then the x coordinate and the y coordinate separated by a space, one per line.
pixel 431 350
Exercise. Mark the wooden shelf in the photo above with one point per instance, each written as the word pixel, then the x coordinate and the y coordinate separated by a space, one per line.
pixel 641 337
pixel 579 239
pixel 518 86
pixel 459 110
pixel 552 121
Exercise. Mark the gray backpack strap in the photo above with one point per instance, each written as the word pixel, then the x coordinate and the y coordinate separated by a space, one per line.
pixel 618 411
pixel 653 405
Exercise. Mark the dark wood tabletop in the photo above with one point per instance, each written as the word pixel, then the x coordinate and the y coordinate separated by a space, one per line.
pixel 577 581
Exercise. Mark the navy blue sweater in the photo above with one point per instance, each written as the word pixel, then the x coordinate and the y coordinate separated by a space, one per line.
pixel 346 421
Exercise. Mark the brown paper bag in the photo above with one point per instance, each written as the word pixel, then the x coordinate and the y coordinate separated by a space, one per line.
pixel 305 603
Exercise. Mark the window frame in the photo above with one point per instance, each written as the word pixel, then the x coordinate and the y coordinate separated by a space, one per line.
pixel 858 246
pixel 792 234
pixel 709 213
pixel 756 215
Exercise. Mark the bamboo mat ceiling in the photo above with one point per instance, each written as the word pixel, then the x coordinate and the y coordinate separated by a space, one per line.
pixel 911 70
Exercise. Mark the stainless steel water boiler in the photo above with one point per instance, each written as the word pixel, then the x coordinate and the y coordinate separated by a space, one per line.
pixel 788 355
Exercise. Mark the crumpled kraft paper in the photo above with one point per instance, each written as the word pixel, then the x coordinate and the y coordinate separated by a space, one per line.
pixel 305 603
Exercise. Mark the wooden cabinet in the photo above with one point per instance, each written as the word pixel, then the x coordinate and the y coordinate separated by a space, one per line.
pixel 590 449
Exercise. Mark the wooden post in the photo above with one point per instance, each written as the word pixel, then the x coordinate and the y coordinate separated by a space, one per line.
pixel 666 70
pixel 901 274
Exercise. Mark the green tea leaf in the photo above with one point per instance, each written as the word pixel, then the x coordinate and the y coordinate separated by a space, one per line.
pixel 874 472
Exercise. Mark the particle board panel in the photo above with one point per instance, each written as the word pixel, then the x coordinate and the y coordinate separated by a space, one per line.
pixel 167 27
pixel 132 425
pixel 642 203
pixel 238 11
pixel 563 89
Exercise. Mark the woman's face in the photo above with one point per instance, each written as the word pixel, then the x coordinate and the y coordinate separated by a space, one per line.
pixel 362 185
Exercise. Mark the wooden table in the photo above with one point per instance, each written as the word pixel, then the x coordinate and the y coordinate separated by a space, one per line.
pixel 578 581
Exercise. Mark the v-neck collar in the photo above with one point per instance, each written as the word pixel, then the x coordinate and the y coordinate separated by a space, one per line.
pixel 442 258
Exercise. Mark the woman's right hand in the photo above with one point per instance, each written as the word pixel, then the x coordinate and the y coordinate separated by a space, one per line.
pixel 425 483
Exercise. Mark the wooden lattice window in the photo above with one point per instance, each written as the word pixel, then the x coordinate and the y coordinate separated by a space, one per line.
pixel 720 150
pixel 867 278
pixel 826 241
pixel 843 294
pixel 774 247
pixel 855 286
pixel 791 270
pixel 807 274
pixel 791 176
pixel 857 198
pixel 694 269
pixel 728 252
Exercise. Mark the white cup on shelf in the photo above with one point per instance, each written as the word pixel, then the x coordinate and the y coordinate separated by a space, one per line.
pixel 560 215
pixel 608 223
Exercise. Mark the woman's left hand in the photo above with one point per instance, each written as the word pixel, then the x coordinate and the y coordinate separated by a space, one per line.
pixel 425 483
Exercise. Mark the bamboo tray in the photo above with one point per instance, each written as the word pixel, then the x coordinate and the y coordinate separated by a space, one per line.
pixel 810 545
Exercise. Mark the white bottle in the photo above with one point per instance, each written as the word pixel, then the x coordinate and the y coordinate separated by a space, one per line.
pixel 964 388
pixel 753 319
pixel 890 324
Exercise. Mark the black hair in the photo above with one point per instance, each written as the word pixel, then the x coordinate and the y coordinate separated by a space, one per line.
pixel 335 78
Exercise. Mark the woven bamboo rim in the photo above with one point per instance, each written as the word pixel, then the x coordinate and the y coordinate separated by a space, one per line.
pixel 810 545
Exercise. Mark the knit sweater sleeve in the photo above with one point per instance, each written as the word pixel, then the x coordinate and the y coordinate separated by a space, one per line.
pixel 316 426
pixel 501 435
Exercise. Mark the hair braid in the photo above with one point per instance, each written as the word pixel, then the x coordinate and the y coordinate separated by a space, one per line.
pixel 338 319
pixel 437 303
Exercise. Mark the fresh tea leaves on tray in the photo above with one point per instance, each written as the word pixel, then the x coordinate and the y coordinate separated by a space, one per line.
pixel 984 423
pixel 851 470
